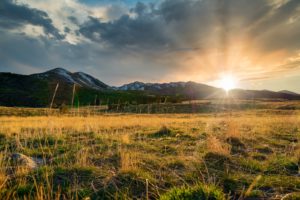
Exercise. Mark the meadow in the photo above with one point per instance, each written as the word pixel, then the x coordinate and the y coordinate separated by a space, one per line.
pixel 241 154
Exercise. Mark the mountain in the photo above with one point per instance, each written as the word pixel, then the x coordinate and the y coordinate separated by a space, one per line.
pixel 37 90
pixel 62 76
pixel 151 86
pixel 190 90
pixel 22 90
pixel 288 92
pixel 262 94
pixel 85 84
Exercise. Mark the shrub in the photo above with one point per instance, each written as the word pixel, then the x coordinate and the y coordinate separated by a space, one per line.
pixel 230 185
pixel 217 161
pixel 237 147
pixel 198 192
pixel 163 132
pixel 25 190
pixel 129 185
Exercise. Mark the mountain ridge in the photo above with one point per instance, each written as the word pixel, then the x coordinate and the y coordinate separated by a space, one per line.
pixel 131 87
pixel 38 89
pixel 79 78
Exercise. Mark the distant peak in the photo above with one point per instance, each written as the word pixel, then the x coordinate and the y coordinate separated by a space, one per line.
pixel 59 69
pixel 288 92
pixel 82 74
pixel 138 82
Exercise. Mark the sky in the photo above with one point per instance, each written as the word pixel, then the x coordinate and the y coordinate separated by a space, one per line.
pixel 119 41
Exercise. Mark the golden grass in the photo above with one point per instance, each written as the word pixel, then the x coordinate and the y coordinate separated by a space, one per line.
pixel 55 124
pixel 126 140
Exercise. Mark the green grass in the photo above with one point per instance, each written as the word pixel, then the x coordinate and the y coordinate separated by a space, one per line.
pixel 198 192
pixel 166 156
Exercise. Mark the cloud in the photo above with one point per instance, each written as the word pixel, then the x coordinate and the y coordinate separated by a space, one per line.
pixel 13 15
pixel 114 12
pixel 164 40
pixel 126 32
pixel 214 35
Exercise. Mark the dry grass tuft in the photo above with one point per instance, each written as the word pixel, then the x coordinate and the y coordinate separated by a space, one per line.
pixel 129 161
pixel 217 146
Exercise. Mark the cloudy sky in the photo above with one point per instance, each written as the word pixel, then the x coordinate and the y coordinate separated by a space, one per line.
pixel 119 41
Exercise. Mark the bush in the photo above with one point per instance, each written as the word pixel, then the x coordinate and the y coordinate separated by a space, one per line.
pixel 163 132
pixel 129 185
pixel 237 147
pixel 198 192
pixel 230 185
pixel 217 161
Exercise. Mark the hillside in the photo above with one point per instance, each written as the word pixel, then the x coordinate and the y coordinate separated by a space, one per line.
pixel 21 90
pixel 37 90
pixel 193 90
pixel 60 75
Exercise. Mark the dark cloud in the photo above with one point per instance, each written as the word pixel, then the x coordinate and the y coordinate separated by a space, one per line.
pixel 14 15
pixel 24 54
pixel 140 9
pixel 74 20
pixel 196 24
pixel 277 30
pixel 155 41
pixel 173 24
pixel 67 30
pixel 141 32
pixel 115 11
pixel 281 14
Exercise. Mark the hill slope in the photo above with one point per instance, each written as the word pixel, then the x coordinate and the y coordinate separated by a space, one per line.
pixel 36 90
pixel 62 76
pixel 21 90
pixel 192 90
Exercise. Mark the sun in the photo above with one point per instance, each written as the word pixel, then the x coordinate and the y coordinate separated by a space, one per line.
pixel 227 82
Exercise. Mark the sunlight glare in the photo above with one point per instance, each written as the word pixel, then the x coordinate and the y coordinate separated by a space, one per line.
pixel 227 82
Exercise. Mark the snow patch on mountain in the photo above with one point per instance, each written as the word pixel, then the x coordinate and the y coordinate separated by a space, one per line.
pixel 157 86
pixel 86 78
pixel 78 78
pixel 133 86
pixel 66 74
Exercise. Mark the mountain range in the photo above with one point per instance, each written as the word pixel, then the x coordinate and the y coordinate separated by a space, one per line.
pixel 36 90
pixel 63 76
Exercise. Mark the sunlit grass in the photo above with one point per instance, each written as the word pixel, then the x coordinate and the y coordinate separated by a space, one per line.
pixel 113 155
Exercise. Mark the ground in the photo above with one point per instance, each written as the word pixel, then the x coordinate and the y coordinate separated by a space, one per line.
pixel 246 154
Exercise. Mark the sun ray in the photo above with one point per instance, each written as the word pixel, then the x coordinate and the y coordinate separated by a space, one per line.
pixel 227 82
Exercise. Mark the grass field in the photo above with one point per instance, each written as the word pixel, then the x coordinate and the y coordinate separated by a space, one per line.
pixel 249 154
